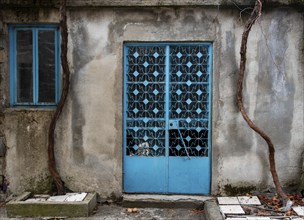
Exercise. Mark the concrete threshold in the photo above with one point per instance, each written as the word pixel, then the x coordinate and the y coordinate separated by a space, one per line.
pixel 164 201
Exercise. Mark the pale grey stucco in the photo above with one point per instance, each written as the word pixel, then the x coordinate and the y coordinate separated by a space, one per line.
pixel 89 132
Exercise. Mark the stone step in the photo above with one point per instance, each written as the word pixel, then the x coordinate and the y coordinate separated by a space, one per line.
pixel 164 201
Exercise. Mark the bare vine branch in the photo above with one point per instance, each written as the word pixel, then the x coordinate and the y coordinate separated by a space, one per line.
pixel 256 13
pixel 66 83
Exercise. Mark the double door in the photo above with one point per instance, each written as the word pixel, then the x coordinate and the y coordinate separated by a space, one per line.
pixel 166 132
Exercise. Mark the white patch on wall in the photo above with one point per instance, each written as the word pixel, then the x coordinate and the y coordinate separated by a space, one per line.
pixel 237 168
pixel 98 33
pixel 277 53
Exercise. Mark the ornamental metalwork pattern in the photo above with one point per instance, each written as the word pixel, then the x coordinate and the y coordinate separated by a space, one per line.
pixel 189 96
pixel 145 101
pixel 167 100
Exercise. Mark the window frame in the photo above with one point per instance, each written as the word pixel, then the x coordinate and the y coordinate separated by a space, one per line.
pixel 35 28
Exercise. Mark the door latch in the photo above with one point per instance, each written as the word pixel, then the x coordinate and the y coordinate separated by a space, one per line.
pixel 173 124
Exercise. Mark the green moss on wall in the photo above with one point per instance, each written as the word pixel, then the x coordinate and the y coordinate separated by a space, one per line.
pixel 238 190
pixel 38 185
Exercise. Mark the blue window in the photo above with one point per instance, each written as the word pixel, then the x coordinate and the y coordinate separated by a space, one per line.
pixel 34 65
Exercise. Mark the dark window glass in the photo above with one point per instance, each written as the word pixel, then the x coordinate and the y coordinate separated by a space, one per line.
pixel 46 69
pixel 24 66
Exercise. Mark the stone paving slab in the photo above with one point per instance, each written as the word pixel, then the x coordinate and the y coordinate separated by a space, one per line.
pixel 228 200
pixel 243 200
pixel 236 218
pixel 35 200
pixel 258 218
pixel 69 197
pixel 231 209
pixel 249 200
pixel 299 210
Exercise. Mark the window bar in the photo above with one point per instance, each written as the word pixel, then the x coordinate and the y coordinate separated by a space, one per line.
pixel 125 52
pixel 35 66
pixel 209 97
pixel 166 109
pixel 57 66
pixel 12 61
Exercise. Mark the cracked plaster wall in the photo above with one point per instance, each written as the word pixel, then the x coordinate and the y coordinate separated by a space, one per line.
pixel 89 133
pixel 273 99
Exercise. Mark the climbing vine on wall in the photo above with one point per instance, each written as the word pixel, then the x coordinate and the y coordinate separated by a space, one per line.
pixel 65 89
pixel 256 13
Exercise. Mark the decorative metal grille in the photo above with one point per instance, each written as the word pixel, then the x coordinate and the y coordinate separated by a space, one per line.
pixel 189 94
pixel 146 101
pixel 167 100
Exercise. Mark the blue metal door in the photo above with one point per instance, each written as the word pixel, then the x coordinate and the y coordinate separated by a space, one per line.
pixel 167 117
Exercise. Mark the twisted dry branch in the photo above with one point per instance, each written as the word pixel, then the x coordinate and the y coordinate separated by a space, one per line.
pixel 256 13
pixel 65 89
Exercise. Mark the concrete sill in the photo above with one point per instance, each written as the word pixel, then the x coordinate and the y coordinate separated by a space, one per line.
pixel 19 208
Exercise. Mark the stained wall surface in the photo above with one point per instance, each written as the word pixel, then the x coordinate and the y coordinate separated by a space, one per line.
pixel 89 132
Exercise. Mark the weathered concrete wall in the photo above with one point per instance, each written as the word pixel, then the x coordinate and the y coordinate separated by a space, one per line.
pixel 89 133
pixel 26 138
pixel 273 99
pixel 25 130
pixel 273 92
pixel 3 181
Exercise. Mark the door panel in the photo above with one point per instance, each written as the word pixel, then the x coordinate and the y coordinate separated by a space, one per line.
pixel 145 174
pixel 167 118
pixel 189 176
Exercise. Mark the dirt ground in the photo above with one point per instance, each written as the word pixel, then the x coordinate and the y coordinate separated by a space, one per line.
pixel 114 212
